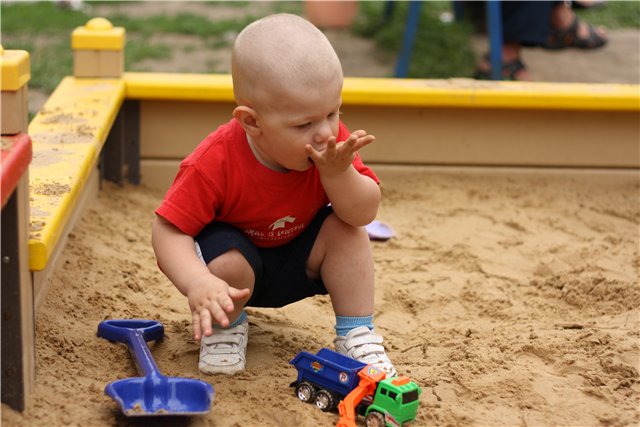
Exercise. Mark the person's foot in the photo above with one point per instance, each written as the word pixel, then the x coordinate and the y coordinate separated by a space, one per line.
pixel 364 345
pixel 512 66
pixel 224 352
pixel 569 31
pixel 513 70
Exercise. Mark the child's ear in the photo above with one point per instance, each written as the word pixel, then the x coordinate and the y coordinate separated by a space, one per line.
pixel 247 117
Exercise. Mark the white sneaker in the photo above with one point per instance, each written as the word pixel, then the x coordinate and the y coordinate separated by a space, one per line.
pixel 365 345
pixel 225 351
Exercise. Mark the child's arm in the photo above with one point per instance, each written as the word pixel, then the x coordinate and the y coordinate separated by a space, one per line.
pixel 210 298
pixel 354 197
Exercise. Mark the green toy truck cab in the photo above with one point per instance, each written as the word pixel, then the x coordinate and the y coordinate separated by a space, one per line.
pixel 395 402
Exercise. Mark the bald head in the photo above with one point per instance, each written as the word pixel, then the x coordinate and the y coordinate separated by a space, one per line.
pixel 280 52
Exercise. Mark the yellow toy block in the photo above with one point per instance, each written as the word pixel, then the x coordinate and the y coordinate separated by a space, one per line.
pixel 98 49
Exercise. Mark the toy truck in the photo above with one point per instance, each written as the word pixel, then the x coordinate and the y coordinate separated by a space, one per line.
pixel 327 378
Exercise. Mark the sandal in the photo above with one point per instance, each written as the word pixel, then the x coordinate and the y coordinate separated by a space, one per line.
pixel 560 39
pixel 509 71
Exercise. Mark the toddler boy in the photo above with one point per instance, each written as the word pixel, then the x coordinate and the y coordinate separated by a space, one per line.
pixel 276 201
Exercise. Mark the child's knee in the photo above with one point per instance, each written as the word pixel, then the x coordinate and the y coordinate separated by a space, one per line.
pixel 336 229
pixel 233 268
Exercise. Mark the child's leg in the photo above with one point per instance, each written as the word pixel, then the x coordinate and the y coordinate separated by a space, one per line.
pixel 233 268
pixel 231 257
pixel 224 351
pixel 342 257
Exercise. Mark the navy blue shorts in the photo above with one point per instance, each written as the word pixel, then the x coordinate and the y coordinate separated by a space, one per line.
pixel 281 272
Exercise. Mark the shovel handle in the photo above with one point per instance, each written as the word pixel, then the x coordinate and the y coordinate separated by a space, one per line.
pixel 135 333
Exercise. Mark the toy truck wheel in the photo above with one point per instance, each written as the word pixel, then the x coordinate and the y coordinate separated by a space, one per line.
pixel 305 392
pixel 374 419
pixel 325 400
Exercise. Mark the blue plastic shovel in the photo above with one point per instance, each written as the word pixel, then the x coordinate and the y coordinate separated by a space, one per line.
pixel 153 393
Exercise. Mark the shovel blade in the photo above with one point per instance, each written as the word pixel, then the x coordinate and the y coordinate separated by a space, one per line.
pixel 144 396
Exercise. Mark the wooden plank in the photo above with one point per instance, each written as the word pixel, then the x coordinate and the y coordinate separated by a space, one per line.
pixel 384 92
pixel 484 137
pixel 159 173
pixel 41 278
pixel 15 156
pixel 162 138
pixel 446 122
pixel 113 160
pixel 132 140
pixel 436 136
pixel 68 135
pixel 18 347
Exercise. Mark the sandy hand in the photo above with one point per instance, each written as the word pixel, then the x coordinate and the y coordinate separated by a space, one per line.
pixel 210 302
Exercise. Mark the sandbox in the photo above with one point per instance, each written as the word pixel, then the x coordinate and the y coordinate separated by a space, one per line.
pixel 510 292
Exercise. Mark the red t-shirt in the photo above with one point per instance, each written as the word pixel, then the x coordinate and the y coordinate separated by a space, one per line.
pixel 223 181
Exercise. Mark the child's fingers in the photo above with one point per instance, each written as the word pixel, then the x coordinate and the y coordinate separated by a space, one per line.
pixel 364 141
pixel 351 141
pixel 204 321
pixel 331 147
pixel 219 315
pixel 237 294
pixel 195 321
pixel 225 302
pixel 312 153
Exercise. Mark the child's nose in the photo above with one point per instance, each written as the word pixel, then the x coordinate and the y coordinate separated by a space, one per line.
pixel 322 135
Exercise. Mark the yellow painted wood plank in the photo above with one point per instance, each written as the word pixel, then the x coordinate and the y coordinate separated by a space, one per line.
pixel 469 93
pixel 453 93
pixel 179 87
pixel 67 135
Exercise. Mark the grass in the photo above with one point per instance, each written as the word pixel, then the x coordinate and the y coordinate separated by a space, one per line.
pixel 613 15
pixel 183 23
pixel 441 50
pixel 44 29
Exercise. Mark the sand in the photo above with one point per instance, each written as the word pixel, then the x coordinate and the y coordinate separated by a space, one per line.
pixel 510 296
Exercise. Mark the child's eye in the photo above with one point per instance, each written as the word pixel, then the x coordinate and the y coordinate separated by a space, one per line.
pixel 304 125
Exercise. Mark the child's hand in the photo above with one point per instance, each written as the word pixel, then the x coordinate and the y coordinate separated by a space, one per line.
pixel 338 156
pixel 210 300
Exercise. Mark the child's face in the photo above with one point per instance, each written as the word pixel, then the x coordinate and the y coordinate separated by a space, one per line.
pixel 298 118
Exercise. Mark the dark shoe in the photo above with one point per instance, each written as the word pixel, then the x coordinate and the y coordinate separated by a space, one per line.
pixel 561 39
pixel 509 71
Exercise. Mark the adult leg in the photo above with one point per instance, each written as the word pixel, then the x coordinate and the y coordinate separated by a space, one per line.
pixel 569 31
pixel 524 23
